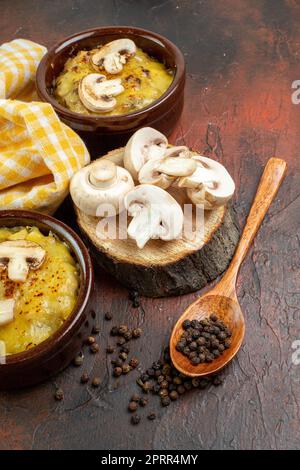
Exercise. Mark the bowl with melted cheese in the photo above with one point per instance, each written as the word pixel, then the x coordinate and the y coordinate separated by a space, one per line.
pixel 111 81
pixel 45 285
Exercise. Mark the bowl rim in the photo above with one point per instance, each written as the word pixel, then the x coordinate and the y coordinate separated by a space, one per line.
pixel 53 342
pixel 76 37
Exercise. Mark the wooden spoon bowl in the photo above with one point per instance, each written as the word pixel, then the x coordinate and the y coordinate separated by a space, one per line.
pixel 227 310
pixel 222 300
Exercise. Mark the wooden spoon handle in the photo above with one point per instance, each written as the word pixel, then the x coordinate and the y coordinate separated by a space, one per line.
pixel 269 184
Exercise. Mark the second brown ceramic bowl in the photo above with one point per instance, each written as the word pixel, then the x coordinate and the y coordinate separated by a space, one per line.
pixel 162 114
pixel 54 354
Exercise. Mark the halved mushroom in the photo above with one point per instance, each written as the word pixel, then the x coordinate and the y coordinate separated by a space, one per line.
pixel 164 170
pixel 6 311
pixel 113 55
pixel 97 94
pixel 145 144
pixel 210 185
pixel 98 184
pixel 156 214
pixel 18 256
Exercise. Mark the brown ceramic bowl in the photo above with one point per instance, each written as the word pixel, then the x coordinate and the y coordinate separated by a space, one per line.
pixel 55 353
pixel 161 114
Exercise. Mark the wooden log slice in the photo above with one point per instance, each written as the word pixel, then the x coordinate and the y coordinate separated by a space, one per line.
pixel 162 268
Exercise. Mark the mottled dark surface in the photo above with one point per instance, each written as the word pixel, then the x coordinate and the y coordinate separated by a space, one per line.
pixel 242 57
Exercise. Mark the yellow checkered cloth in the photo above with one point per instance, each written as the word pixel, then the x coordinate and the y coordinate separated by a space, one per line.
pixel 38 153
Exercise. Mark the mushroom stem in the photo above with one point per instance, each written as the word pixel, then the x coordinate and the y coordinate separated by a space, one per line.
pixel 144 225
pixel 103 173
pixel 17 269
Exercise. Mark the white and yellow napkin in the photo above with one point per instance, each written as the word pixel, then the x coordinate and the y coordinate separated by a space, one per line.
pixel 38 153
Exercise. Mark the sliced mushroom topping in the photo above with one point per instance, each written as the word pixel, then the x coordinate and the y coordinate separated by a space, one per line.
pixel 178 151
pixel 18 256
pixel 97 94
pixel 6 312
pixel 145 144
pixel 114 55
pixel 155 214
pixel 210 185
pixel 101 183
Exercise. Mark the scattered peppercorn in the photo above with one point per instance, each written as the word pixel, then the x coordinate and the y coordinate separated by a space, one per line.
pixel 165 401
pixel 84 378
pixel 135 397
pixel 123 356
pixel 133 406
pixel 117 371
pixel 96 329
pixel 94 348
pixel 151 416
pixel 90 340
pixel 110 349
pixel 114 331
pixel 121 341
pixel 134 362
pixel 59 394
pixel 136 333
pixel 143 401
pixel 122 329
pixel 108 316
pixel 96 382
pixel 126 368
pixel 135 419
pixel 78 361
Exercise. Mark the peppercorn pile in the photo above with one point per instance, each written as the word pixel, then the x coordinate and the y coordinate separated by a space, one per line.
pixel 121 364
pixel 205 340
pixel 165 381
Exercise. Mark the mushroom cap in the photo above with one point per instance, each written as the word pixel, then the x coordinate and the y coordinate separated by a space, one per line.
pixel 113 54
pixel 31 251
pixel 97 94
pixel 210 184
pixel 145 144
pixel 100 183
pixel 151 206
pixel 177 166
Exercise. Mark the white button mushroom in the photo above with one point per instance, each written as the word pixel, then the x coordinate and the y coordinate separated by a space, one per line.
pixel 210 185
pixel 102 182
pixel 6 311
pixel 18 256
pixel 97 94
pixel 113 55
pixel 156 214
pixel 145 144
pixel 163 172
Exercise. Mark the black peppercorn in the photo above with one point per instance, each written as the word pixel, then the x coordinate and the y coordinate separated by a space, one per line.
pixel 163 392
pixel 173 395
pixel 180 389
pixel 96 329
pixel 136 333
pixel 127 335
pixel 213 317
pixel 126 368
pixel 134 362
pixel 143 401
pixel 123 356
pixel 135 397
pixel 151 416
pixel 133 406
pixel 78 361
pixel 90 340
pixel 94 348
pixel 186 324
pixel 108 316
pixel 195 360
pixel 110 349
pixel 151 372
pixel 117 371
pixel 177 381
pixel 96 382
pixel 125 348
pixel 135 419
pixel 114 331
pixel 121 341
pixel 195 382
pixel 217 381
pixel 122 329
pixel 59 394
pixel 84 378
pixel 165 401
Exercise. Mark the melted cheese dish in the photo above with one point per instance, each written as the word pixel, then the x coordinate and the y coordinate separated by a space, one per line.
pixel 45 299
pixel 144 79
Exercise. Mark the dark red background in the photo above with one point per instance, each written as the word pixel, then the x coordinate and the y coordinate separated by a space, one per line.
pixel 242 57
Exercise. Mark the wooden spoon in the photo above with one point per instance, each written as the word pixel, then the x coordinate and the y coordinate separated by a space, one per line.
pixel 222 299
